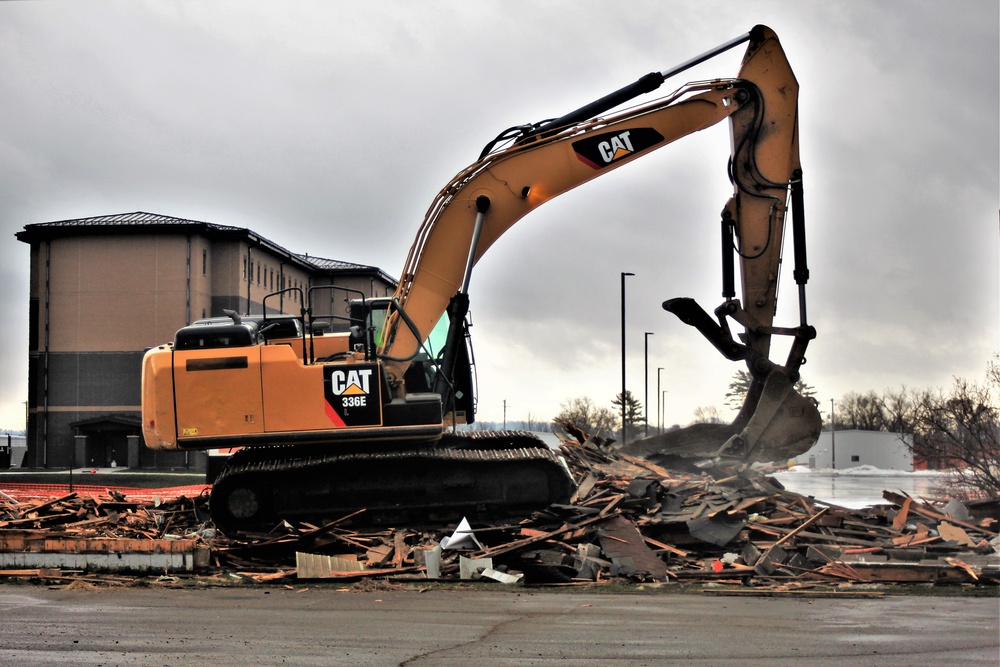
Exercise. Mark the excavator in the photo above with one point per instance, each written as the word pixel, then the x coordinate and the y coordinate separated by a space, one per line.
pixel 364 422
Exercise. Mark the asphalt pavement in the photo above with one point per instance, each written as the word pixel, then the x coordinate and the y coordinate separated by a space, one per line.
pixel 312 625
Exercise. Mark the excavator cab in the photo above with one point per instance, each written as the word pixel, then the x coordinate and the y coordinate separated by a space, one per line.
pixel 424 373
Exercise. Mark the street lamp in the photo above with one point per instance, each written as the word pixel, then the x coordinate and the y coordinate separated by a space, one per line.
pixel 645 383
pixel 624 438
pixel 659 423
pixel 833 437
pixel 663 406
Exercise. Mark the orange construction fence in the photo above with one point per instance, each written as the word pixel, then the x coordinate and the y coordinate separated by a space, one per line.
pixel 24 491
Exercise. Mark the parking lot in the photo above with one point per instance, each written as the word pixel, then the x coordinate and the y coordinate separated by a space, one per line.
pixel 311 625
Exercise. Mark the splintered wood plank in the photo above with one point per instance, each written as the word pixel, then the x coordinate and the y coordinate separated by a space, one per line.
pixel 533 532
pixel 45 518
pixel 582 491
pixel 612 505
pixel 665 547
pixel 747 503
pixel 802 527
pixel 648 465
pixel 520 544
pixel 50 503
pixel 899 521
pixel 264 577
pixel 400 550
pixel 962 565
pixel 914 539
pixel 933 514
pixel 42 572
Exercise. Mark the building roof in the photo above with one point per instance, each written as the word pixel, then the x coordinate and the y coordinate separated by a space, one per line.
pixel 323 263
pixel 141 222
pixel 342 267
pixel 117 223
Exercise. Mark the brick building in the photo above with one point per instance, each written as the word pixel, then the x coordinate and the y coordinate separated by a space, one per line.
pixel 104 289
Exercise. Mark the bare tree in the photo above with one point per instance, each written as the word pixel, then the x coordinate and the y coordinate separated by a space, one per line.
pixel 892 411
pixel 898 410
pixel 532 424
pixel 860 411
pixel 961 430
pixel 582 413
pixel 707 414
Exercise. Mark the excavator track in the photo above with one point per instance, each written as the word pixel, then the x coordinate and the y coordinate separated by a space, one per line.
pixel 484 474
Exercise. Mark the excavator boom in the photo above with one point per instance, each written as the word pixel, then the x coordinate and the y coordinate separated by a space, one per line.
pixel 549 160
pixel 519 179
pixel 542 161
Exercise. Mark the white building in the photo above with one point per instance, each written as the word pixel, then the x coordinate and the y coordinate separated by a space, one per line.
pixel 849 449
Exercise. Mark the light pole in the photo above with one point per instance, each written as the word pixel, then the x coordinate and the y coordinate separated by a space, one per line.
pixel 663 406
pixel 659 423
pixel 833 437
pixel 645 383
pixel 624 427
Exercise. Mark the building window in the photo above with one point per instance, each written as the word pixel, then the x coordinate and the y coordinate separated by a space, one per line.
pixel 272 280
pixel 244 268
pixel 204 262
pixel 258 275
pixel 855 458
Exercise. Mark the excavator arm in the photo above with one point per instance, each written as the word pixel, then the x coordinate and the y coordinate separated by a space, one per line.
pixel 529 165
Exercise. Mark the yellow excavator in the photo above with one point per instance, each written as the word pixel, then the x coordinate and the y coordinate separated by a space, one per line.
pixel 331 423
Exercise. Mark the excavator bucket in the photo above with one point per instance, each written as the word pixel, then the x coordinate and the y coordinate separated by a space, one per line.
pixel 776 423
pixel 784 425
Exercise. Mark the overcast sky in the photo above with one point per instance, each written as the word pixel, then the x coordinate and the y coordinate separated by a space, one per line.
pixel 328 127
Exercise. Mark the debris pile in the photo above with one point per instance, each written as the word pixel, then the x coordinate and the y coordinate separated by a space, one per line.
pixel 633 520
pixel 113 516
pixel 107 533
pixel 630 520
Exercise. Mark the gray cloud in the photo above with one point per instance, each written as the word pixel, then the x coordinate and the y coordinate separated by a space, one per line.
pixel 329 128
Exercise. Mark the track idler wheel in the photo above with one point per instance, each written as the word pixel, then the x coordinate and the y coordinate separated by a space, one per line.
pixel 237 505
